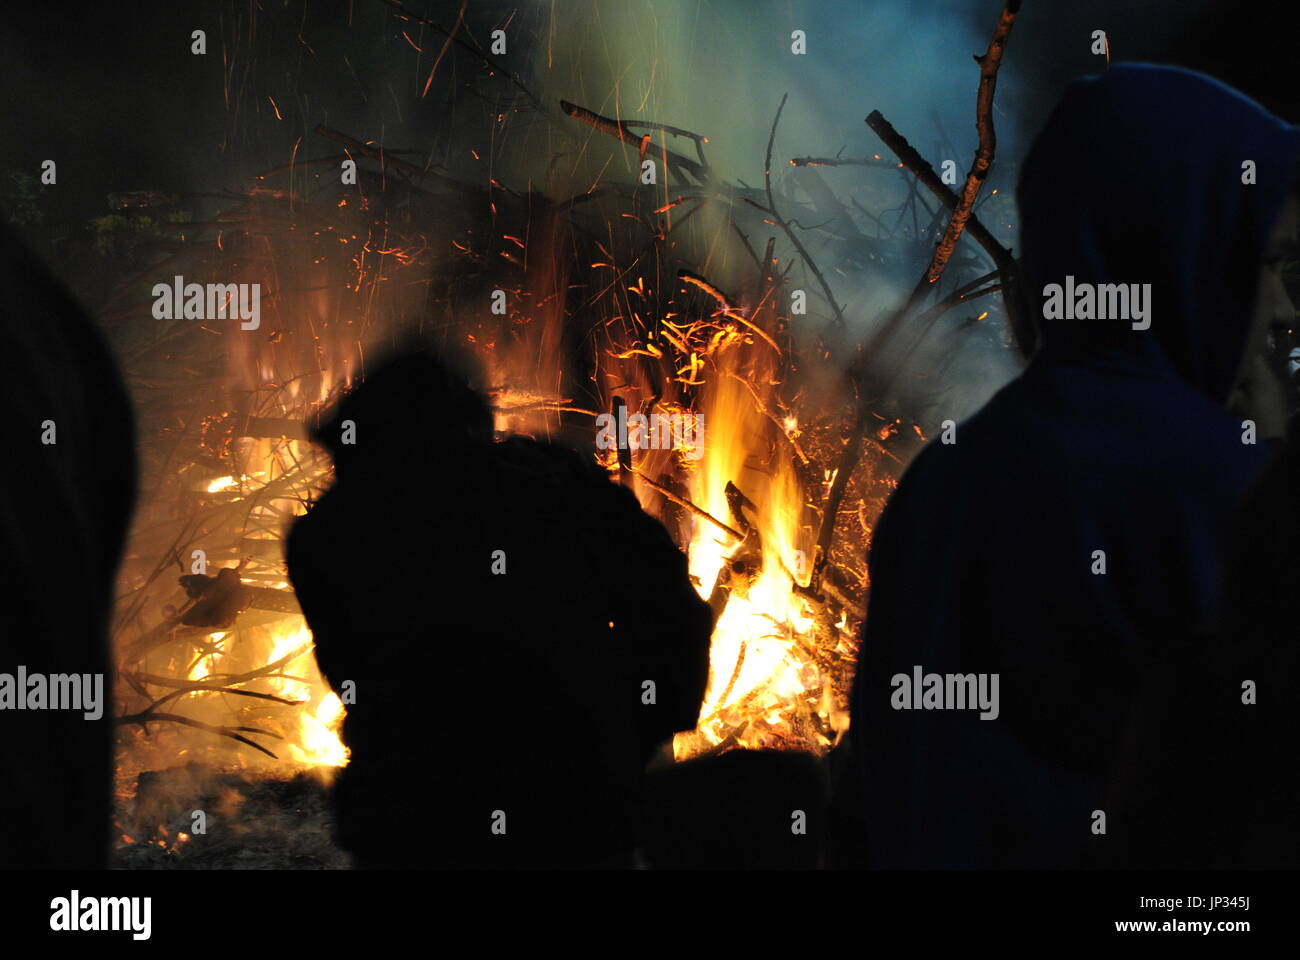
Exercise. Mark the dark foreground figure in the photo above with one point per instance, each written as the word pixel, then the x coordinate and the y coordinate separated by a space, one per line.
pixel 500 609
pixel 1207 774
pixel 741 810
pixel 64 510
pixel 1115 440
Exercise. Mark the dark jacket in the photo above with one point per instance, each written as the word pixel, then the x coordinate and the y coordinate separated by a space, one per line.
pixel 64 511
pixel 477 690
pixel 1114 440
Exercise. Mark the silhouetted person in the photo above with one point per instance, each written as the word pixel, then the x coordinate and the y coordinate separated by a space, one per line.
pixel 503 610
pixel 64 510
pixel 1072 533
pixel 740 810
pixel 1207 775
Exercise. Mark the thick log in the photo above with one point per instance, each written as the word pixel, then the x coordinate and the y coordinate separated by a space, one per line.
pixel 268 598
pixel 272 427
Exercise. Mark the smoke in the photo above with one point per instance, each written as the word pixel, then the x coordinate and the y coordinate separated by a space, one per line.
pixel 120 100
pixel 721 68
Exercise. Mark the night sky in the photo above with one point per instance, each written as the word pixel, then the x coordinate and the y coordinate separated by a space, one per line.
pixel 113 92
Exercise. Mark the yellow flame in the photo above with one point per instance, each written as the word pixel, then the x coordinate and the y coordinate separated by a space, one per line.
pixel 759 672
pixel 202 668
pixel 319 740
pixel 316 738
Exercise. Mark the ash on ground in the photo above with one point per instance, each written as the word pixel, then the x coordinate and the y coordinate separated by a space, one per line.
pixel 249 823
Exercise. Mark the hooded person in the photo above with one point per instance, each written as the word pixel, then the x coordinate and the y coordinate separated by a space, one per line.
pixel 1205 776
pixel 1072 533
pixel 496 609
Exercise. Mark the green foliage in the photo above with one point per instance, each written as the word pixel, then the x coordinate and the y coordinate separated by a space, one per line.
pixel 19 199
pixel 117 235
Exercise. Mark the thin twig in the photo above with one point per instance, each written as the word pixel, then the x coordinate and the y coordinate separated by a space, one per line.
pixel 762 408
pixel 700 141
pixel 144 718
pixel 780 221
pixel 473 50
pixel 954 299
pixel 920 167
pixel 683 502
pixel 620 130
pixel 199 688
pixel 727 310
pixel 1006 267
pixel 387 159
pixel 161 681
pixel 843 162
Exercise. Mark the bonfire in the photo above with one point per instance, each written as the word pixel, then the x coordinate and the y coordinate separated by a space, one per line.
pixel 688 312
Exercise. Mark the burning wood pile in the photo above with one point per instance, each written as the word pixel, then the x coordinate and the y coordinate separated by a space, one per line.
pixel 678 326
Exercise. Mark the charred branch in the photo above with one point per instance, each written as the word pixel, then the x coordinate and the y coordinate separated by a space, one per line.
pixel 621 130
pixel 453 37
pixel 387 159
pixel 926 175
pixel 685 503
pixel 234 733
pixel 843 162
pixel 989 64
pixel 771 211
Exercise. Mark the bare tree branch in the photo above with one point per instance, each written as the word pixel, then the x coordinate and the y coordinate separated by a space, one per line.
pixel 451 35
pixel 989 64
pixel 621 130
pixel 926 175
pixel 784 225
pixel 843 162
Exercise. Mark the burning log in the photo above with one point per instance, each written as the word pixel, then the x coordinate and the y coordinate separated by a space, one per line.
pixel 218 600
pixel 273 428
pixel 268 598
pixel 745 562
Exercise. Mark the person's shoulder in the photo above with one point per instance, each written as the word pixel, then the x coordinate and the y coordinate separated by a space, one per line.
pixel 540 461
pixel 553 463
